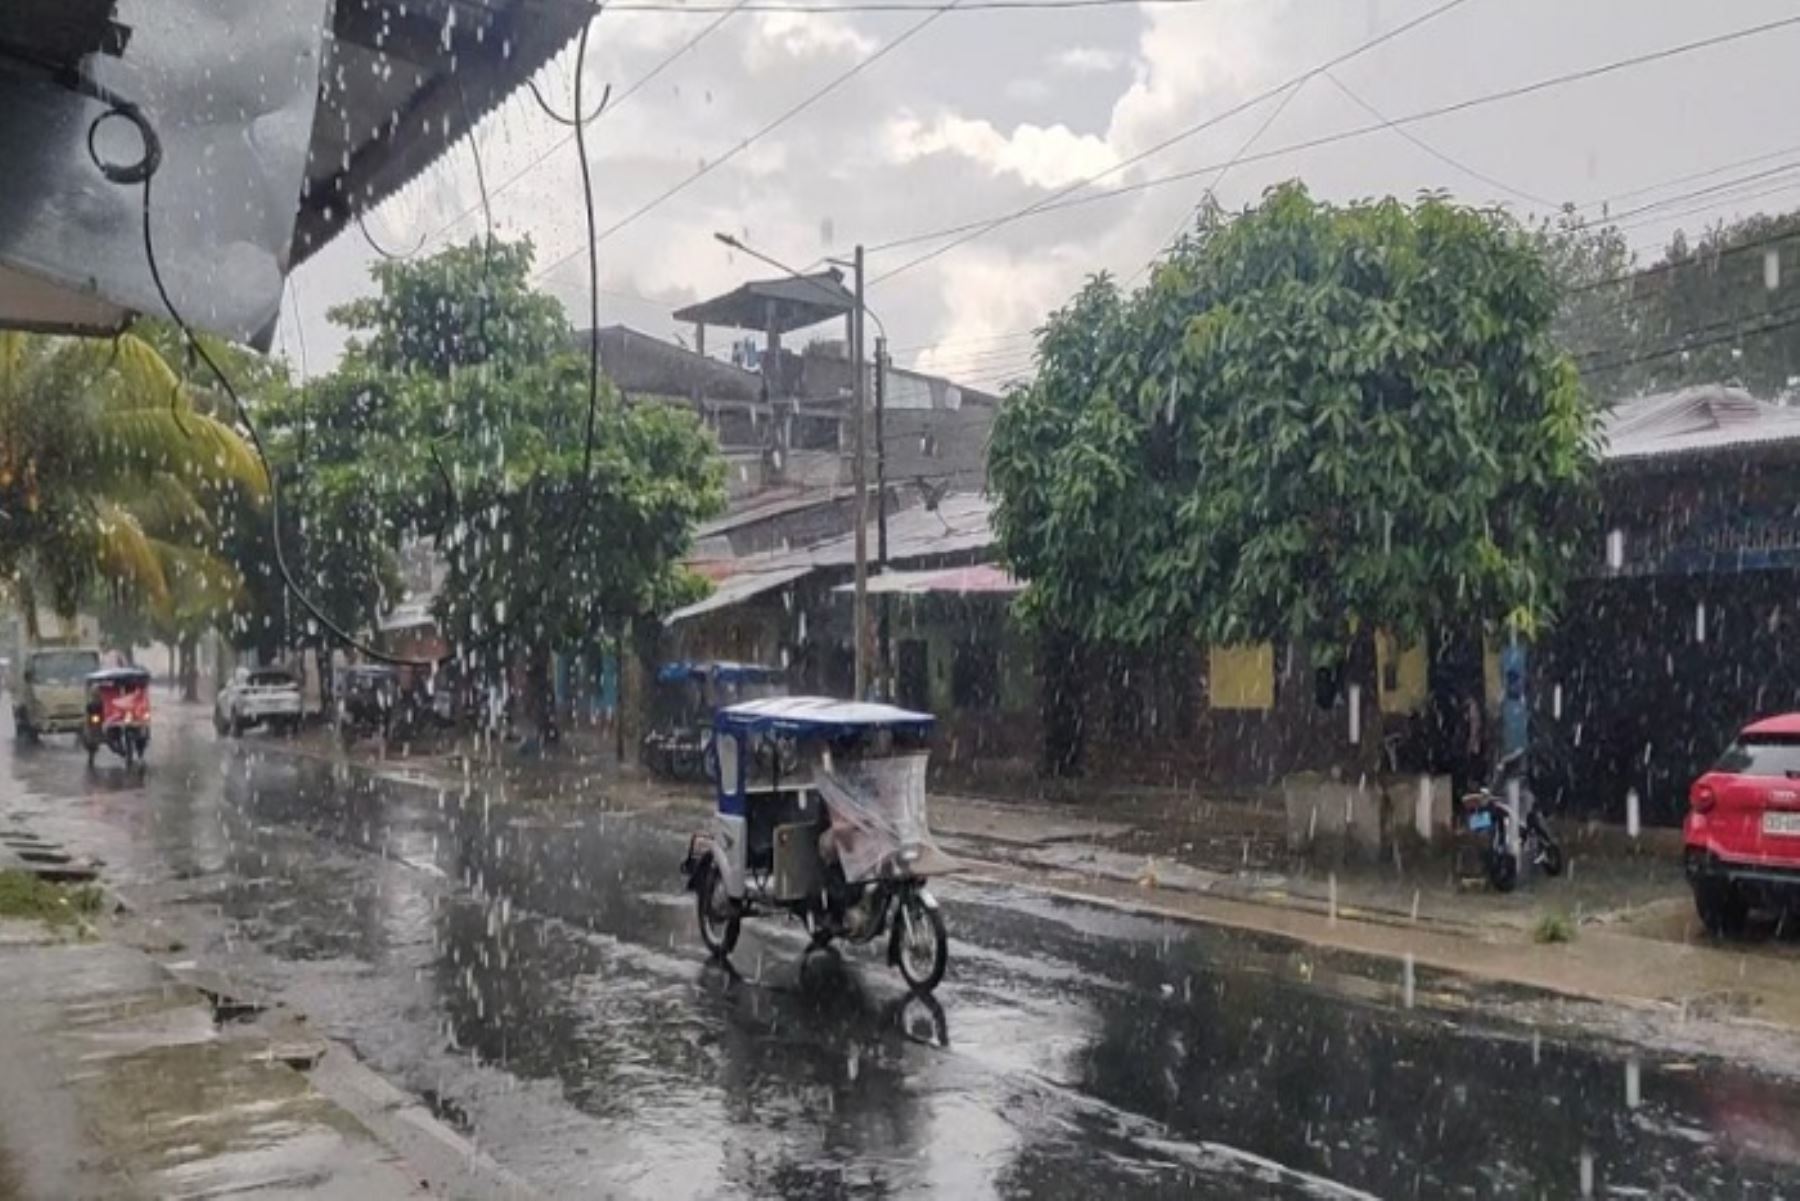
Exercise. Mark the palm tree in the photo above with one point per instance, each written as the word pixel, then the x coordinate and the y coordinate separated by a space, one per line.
pixel 109 473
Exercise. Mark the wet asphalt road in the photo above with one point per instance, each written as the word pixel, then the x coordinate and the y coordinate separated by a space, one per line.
pixel 537 977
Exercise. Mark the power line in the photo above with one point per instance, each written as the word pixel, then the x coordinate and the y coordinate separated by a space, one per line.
pixel 787 115
pixel 1038 206
pixel 890 6
pixel 1736 335
pixel 1062 199
pixel 1688 178
pixel 1620 219
pixel 1437 154
pixel 1713 208
pixel 1212 188
pixel 1006 336
pixel 612 106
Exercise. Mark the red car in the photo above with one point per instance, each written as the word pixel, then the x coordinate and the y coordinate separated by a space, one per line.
pixel 1742 833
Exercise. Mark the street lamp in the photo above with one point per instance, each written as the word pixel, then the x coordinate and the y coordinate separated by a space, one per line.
pixel 859 464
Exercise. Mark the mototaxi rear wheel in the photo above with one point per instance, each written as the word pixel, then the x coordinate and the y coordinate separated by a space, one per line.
pixel 719 921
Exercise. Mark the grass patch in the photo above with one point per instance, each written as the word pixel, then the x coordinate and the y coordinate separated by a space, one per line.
pixel 1554 927
pixel 22 894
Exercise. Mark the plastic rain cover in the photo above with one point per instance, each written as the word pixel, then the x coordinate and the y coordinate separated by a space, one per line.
pixel 877 809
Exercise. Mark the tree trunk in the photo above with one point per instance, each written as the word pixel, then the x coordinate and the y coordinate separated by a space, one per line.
pixel 540 695
pixel 28 610
pixel 190 668
pixel 1362 690
pixel 618 713
pixel 1062 697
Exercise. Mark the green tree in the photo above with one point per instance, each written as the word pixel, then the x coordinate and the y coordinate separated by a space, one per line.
pixel 111 476
pixel 553 539
pixel 1715 311
pixel 1311 423
pixel 1598 319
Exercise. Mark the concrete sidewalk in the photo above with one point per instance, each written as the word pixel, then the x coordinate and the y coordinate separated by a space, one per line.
pixel 120 1080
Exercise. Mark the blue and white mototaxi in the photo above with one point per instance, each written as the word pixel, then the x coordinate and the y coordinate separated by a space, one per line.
pixel 821 815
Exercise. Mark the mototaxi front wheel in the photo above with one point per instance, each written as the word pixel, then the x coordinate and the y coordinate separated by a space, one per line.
pixel 719 921
pixel 921 944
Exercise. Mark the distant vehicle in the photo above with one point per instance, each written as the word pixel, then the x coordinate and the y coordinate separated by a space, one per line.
pixel 263 696
pixel 1742 833
pixel 118 714
pixel 50 690
pixel 1492 815
pixel 682 702
pixel 368 696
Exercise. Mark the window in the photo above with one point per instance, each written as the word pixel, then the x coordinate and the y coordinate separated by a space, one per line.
pixel 1241 677
pixel 1772 755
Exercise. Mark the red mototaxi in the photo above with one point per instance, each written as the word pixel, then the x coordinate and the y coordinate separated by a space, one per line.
pixel 118 713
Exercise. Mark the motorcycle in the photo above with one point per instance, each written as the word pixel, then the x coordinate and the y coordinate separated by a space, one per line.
pixel 1492 813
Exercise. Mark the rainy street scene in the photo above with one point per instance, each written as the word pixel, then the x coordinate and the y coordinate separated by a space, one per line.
pixel 814 599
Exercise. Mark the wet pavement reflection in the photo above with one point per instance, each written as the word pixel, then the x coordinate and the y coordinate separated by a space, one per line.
pixel 536 976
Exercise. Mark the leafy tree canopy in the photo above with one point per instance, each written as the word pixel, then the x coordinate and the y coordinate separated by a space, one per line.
pixel 1312 421
pixel 461 414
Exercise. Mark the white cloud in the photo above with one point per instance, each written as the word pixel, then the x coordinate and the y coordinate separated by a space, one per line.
pixel 1192 62
pixel 1028 89
pixel 1044 157
pixel 782 38
pixel 1088 60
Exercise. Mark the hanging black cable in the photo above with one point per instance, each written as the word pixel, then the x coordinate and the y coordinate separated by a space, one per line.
pixel 576 120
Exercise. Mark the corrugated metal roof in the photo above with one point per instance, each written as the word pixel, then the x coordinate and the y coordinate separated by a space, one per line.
pixel 1694 420
pixel 983 578
pixel 783 304
pixel 739 587
pixel 959 524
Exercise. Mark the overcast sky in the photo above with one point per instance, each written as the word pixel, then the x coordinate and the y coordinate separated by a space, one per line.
pixel 982 113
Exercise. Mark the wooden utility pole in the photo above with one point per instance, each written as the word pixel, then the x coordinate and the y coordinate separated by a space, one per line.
pixel 859 480
pixel 884 661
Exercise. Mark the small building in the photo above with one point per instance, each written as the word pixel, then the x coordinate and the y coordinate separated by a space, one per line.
pixel 1685 623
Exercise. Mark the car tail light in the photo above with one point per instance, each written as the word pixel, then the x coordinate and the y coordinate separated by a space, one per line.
pixel 1702 798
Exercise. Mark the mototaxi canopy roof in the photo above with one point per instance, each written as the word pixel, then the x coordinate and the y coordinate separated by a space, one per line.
pixel 723 670
pixel 119 675
pixel 818 717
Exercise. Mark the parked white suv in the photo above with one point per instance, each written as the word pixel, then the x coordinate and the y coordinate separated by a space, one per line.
pixel 264 696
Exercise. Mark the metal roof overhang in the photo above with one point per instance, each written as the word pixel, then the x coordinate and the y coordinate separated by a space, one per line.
pixel 781 305
pixel 276 125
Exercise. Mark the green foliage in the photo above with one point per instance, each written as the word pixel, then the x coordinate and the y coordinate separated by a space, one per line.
pixel 1592 269
pixel 462 307
pixel 112 475
pixel 1709 315
pixel 460 414
pixel 25 895
pixel 1311 421
pixel 1554 928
